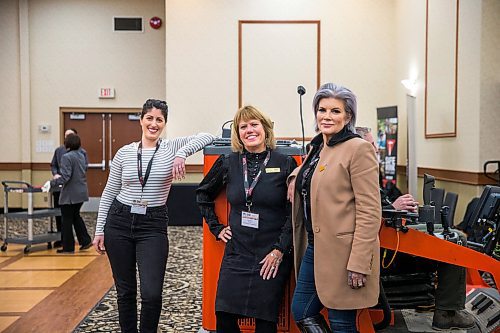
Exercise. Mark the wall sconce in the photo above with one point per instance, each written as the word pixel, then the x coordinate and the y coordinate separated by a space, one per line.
pixel 411 110
pixel 410 85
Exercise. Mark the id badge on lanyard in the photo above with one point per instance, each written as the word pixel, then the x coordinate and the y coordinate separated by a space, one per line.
pixel 249 219
pixel 139 207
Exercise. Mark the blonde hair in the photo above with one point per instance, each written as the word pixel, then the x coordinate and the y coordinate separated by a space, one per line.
pixel 247 113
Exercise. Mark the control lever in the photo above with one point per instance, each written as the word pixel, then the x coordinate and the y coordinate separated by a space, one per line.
pixel 444 212
pixel 426 215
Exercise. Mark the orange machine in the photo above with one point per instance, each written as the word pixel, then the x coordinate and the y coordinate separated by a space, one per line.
pixel 409 241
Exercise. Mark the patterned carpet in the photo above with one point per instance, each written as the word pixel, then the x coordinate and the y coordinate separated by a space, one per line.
pixel 182 292
pixel 181 311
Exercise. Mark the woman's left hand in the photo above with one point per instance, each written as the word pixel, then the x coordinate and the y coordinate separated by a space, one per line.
pixel 271 264
pixel 179 168
pixel 356 280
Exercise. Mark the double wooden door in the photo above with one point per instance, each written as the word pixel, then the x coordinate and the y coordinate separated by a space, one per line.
pixel 102 134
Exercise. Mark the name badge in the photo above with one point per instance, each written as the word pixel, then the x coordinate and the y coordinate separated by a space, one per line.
pixel 139 207
pixel 250 220
pixel 272 170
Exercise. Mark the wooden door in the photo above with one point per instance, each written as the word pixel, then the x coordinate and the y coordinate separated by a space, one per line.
pixel 102 134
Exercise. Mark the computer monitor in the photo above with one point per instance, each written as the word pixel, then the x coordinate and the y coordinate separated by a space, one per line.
pixel 483 227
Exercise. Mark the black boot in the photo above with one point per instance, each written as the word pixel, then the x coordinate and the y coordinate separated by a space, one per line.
pixel 315 324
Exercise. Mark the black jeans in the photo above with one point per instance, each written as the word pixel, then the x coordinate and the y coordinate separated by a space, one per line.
pixel 132 239
pixel 71 218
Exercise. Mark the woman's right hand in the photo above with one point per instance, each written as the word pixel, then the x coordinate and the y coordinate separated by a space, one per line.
pixel 99 244
pixel 225 234
pixel 291 190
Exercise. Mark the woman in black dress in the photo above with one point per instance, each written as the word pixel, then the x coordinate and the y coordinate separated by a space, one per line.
pixel 257 257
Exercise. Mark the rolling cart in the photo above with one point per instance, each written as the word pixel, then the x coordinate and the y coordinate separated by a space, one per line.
pixel 10 186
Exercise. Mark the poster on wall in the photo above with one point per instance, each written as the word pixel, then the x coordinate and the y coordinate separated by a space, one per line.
pixel 387 140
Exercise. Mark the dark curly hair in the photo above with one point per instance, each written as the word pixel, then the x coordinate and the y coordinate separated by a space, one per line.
pixel 155 103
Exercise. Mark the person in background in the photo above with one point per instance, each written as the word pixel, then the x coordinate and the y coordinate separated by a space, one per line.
pixel 55 168
pixel 336 219
pixel 451 285
pixel 132 219
pixel 403 202
pixel 257 258
pixel 74 193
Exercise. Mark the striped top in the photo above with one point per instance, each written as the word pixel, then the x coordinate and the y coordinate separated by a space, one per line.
pixel 123 182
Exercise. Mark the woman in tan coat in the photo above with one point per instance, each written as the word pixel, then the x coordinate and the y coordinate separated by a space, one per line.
pixel 336 218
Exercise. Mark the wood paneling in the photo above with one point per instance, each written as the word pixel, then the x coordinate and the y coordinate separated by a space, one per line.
pixel 463 177
pixel 190 168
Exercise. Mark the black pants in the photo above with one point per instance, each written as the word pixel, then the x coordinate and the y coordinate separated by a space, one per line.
pixel 451 288
pixel 55 198
pixel 71 219
pixel 228 323
pixel 132 239
pixel 450 291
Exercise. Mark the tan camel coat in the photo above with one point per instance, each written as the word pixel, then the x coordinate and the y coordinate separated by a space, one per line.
pixel 346 213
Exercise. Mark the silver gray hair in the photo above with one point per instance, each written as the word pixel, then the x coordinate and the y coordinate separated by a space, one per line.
pixel 331 90
pixel 363 131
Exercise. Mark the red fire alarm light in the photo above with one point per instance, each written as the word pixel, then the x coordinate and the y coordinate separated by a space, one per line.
pixel 155 22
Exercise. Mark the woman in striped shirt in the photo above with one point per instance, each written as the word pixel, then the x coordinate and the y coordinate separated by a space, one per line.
pixel 132 220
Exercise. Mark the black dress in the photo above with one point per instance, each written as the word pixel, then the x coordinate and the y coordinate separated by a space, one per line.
pixel 241 290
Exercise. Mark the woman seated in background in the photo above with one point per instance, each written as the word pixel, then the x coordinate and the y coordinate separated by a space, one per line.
pixel 336 218
pixel 257 257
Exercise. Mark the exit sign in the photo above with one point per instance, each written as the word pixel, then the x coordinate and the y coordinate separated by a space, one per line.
pixel 107 93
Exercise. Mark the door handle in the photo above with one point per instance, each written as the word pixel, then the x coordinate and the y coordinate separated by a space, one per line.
pixel 110 141
pixel 101 165
pixel 97 165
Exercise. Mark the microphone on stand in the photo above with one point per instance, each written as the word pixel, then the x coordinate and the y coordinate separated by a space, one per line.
pixel 301 91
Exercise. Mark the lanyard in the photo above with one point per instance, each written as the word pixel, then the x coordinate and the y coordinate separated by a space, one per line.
pixel 144 180
pixel 249 188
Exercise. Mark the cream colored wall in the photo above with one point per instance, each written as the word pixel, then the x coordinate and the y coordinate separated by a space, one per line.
pixel 490 83
pixel 461 152
pixel 72 53
pixel 10 116
pixel 369 47
pixel 14 200
pixel 357 50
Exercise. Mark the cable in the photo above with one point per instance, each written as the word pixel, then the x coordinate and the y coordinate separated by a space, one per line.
pixel 393 256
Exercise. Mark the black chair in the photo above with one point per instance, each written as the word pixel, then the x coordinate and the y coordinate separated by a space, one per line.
pixel 451 200
pixel 437 196
pixel 465 224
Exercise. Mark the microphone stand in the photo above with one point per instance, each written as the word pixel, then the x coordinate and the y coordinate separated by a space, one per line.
pixel 301 91
pixel 303 135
